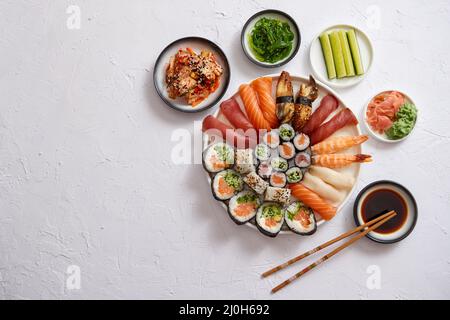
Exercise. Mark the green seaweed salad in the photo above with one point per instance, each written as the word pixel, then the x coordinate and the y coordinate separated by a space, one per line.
pixel 271 40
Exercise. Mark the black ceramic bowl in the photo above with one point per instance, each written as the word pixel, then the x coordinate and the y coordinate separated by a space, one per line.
pixel 197 44
pixel 271 13
pixel 409 204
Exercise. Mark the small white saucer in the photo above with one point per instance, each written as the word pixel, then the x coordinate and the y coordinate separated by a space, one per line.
pixel 318 62
pixel 382 136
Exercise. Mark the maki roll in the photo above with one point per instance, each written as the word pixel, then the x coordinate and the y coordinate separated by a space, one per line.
pixel 286 132
pixel 218 156
pixel 243 206
pixel 294 175
pixel 226 184
pixel 256 182
pixel 269 218
pixel 303 159
pixel 279 164
pixel 300 218
pixel 272 139
pixel 264 170
pixel 262 152
pixel 244 161
pixel 301 141
pixel 280 195
pixel 286 150
pixel 278 179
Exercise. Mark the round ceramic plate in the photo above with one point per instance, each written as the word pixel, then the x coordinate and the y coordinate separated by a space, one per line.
pixel 197 44
pixel 318 62
pixel 352 170
pixel 411 208
pixel 382 136
pixel 273 14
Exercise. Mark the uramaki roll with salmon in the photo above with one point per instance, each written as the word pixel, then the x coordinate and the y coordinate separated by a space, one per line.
pixel 243 206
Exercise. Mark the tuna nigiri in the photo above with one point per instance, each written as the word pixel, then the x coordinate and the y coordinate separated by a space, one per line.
pixel 263 88
pixel 327 105
pixel 212 125
pixel 232 111
pixel 313 201
pixel 336 144
pixel 254 113
pixel 339 160
pixel 344 118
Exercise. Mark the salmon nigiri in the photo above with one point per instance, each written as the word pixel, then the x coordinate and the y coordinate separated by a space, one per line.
pixel 254 113
pixel 263 88
pixel 313 201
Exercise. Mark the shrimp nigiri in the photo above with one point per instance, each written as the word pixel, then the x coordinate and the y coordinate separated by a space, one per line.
pixel 336 144
pixel 254 113
pixel 339 160
pixel 263 88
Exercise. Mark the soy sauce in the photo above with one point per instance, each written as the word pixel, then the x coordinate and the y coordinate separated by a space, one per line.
pixel 381 201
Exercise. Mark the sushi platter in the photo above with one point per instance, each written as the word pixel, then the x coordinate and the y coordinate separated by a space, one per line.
pixel 278 146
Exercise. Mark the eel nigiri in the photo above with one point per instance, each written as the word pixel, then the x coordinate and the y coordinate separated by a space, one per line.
pixel 232 111
pixel 263 88
pixel 213 126
pixel 328 104
pixel 303 104
pixel 339 160
pixel 336 144
pixel 344 118
pixel 254 113
pixel 313 200
pixel 285 98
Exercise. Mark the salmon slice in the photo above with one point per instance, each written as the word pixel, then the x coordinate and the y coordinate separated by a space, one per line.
pixel 313 201
pixel 254 113
pixel 263 88
pixel 244 209
pixel 224 188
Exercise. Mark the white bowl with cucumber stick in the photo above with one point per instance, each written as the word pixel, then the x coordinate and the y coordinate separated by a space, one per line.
pixel 341 55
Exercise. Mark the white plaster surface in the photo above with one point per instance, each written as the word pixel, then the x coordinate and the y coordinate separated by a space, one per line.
pixel 86 176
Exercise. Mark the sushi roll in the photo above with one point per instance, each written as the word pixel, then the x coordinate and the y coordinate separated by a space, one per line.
pixel 264 170
pixel 218 156
pixel 256 182
pixel 272 139
pixel 301 141
pixel 303 159
pixel 244 161
pixel 286 150
pixel 281 195
pixel 262 152
pixel 279 164
pixel 286 132
pixel 243 206
pixel 300 219
pixel 269 218
pixel 294 175
pixel 278 179
pixel 226 184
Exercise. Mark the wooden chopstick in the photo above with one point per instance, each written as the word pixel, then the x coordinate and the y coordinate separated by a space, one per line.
pixel 332 253
pixel 324 245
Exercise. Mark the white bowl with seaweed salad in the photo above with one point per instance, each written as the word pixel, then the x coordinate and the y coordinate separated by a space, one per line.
pixel 270 38
pixel 341 55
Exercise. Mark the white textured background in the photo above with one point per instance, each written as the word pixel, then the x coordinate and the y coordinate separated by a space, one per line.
pixel 86 177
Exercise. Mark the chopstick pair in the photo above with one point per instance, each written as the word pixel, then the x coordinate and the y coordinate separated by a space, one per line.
pixel 371 225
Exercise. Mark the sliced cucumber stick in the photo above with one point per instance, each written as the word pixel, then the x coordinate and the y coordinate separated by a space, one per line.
pixel 347 54
pixel 337 54
pixel 354 48
pixel 328 55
